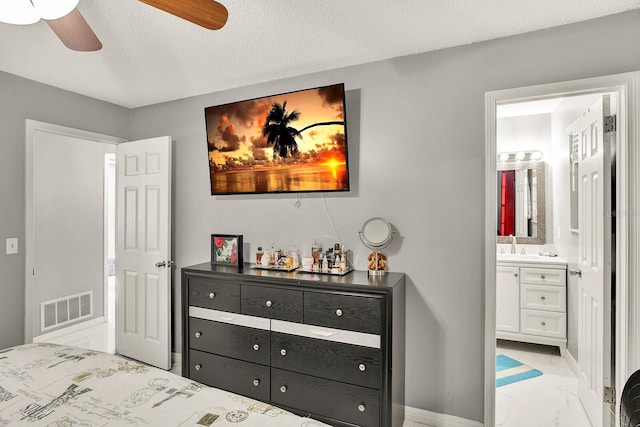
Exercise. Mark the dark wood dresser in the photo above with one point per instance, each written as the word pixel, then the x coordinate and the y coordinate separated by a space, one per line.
pixel 327 346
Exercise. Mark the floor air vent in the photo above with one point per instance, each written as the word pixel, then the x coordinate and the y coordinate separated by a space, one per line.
pixel 58 312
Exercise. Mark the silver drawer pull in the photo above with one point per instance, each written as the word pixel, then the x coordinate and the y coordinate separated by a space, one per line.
pixel 543 298
pixel 362 367
pixel 543 277
pixel 283 389
pixel 212 295
pixel 338 312
pixel 283 352
pixel 515 274
pixel 543 323
pixel 256 347
pixel 269 303
pixel 198 334
pixel 320 333
pixel 256 382
pixel 361 407
pixel 198 367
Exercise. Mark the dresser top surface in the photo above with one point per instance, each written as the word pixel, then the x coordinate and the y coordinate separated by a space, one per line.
pixel 354 278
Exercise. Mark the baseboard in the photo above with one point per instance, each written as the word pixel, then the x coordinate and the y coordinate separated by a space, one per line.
pixel 59 333
pixel 572 362
pixel 176 363
pixel 434 419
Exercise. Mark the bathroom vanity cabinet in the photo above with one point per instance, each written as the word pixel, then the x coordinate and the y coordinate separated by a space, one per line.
pixel 329 347
pixel 531 301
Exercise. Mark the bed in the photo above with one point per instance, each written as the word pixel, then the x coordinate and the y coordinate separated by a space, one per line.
pixel 54 385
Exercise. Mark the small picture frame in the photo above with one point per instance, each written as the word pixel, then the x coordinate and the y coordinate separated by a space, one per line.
pixel 226 249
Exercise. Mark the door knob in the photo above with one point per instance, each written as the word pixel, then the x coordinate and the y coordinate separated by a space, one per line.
pixel 575 272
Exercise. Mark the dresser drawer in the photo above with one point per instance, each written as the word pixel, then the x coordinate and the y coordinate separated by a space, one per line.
pixel 234 375
pixel 344 402
pixel 332 360
pixel 543 323
pixel 543 276
pixel 543 297
pixel 214 294
pixel 354 313
pixel 230 340
pixel 273 303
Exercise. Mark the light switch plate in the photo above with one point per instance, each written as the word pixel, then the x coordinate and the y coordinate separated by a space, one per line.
pixel 12 245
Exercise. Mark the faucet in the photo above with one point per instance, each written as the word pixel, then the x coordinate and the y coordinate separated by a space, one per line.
pixel 513 243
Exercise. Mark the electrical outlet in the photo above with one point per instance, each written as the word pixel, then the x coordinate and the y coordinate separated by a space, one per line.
pixel 12 245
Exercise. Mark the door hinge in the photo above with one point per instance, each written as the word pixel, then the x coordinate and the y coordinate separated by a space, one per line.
pixel 609 395
pixel 610 124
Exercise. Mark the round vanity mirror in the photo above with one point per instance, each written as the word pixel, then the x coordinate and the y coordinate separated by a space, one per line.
pixel 376 233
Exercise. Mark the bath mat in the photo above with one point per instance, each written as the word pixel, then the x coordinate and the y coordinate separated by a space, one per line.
pixel 509 371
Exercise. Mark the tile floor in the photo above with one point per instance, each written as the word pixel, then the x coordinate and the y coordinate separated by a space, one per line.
pixel 548 400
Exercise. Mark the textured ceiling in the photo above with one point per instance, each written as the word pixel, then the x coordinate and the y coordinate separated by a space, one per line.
pixel 149 56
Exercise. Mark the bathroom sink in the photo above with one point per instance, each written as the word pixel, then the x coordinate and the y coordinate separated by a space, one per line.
pixel 534 258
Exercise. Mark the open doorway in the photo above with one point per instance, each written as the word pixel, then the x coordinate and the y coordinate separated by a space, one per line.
pixel 623 86
pixel 65 233
pixel 541 323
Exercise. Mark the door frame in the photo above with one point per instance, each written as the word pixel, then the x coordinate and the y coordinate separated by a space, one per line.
pixel 31 128
pixel 627 340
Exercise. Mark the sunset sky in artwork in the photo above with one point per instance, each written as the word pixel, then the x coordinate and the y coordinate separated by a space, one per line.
pixel 234 131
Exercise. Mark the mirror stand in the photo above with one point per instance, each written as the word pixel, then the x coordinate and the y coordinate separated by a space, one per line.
pixel 376 234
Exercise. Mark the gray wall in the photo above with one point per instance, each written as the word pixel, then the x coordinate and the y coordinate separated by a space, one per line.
pixel 22 99
pixel 416 139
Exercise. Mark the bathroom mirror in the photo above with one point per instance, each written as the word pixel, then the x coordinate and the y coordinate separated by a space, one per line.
pixel 376 233
pixel 521 202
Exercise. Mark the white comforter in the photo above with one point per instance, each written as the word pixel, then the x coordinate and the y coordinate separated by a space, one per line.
pixel 53 385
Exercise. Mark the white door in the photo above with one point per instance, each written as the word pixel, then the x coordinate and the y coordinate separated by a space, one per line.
pixel 594 288
pixel 143 251
pixel 507 299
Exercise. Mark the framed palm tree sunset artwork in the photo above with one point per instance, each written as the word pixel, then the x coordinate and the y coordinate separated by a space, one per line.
pixel 291 142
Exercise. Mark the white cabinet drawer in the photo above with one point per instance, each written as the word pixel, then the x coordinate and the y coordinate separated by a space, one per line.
pixel 543 323
pixel 543 276
pixel 543 297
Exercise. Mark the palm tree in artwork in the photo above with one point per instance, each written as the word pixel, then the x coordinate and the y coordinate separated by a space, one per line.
pixel 278 131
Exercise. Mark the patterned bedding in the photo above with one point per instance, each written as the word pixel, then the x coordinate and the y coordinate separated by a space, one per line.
pixel 54 385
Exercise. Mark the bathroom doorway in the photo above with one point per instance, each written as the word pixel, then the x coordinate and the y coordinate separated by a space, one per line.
pixel 541 325
pixel 623 86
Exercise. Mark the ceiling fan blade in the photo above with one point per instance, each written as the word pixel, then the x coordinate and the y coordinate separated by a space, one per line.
pixel 206 13
pixel 75 33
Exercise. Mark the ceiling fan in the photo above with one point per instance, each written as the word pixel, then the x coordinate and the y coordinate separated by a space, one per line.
pixel 72 29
